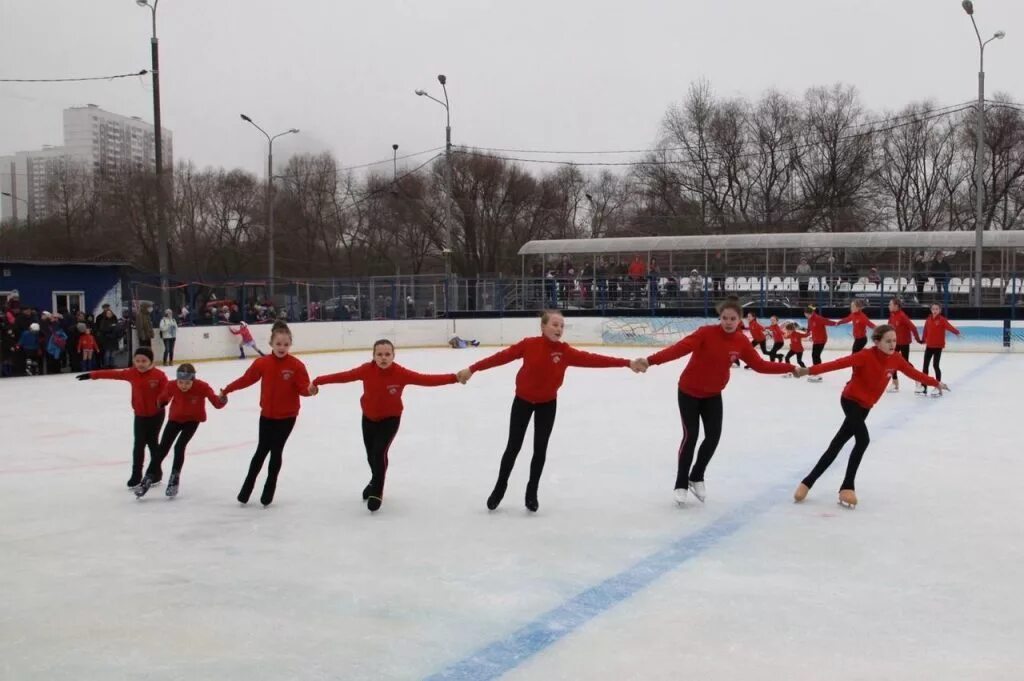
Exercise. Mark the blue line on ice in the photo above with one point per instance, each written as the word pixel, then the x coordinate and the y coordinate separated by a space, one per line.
pixel 498 658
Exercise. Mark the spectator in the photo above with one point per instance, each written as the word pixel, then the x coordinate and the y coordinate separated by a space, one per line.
pixel 803 277
pixel 716 271
pixel 87 347
pixel 637 272
pixel 183 316
pixel 410 307
pixel 144 326
pixel 109 336
pixel 169 335
pixel 28 343
pixel 940 270
pixel 55 347
pixel 874 277
pixel 696 284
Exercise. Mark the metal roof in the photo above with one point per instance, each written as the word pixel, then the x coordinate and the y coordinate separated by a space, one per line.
pixel 736 242
pixel 89 263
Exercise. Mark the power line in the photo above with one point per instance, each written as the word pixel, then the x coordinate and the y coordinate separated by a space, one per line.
pixel 143 72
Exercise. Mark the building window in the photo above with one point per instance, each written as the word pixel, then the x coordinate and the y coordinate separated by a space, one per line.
pixel 68 302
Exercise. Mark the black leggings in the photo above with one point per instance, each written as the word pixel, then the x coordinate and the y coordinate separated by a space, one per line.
pixel 799 357
pixel 273 436
pixel 377 437
pixel 853 426
pixel 693 411
pixel 936 354
pixel 774 354
pixel 816 353
pixel 183 432
pixel 859 344
pixel 905 351
pixel 544 421
pixel 168 350
pixel 147 434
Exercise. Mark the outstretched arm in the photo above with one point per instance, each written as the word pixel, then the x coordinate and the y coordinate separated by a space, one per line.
pixel 907 369
pixel 410 377
pixel 341 377
pixel 111 374
pixel 680 349
pixel 592 360
pixel 251 375
pixel 837 364
pixel 951 328
pixel 755 362
pixel 509 354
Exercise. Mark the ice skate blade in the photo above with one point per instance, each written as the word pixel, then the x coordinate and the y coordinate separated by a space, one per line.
pixel 846 505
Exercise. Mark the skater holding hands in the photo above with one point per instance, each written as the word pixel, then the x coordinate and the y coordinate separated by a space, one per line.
pixel 905 329
pixel 935 328
pixel 861 324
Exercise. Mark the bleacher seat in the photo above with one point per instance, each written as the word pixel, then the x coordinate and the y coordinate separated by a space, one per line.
pixel 775 284
pixel 741 284
pixel 889 285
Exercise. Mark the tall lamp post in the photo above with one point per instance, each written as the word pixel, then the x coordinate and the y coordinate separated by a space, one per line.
pixel 161 224
pixel 270 195
pixel 979 153
pixel 14 212
pixel 446 250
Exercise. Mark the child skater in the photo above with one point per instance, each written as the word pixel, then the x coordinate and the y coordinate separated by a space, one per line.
pixel 796 346
pixel 905 329
pixel 545 359
pixel 819 335
pixel 935 328
pixel 187 396
pixel 778 339
pixel 245 340
pixel 87 347
pixel 283 378
pixel 383 381
pixel 871 371
pixel 700 389
pixel 757 337
pixel 147 384
pixel 860 322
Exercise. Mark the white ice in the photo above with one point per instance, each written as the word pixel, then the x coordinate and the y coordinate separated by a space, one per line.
pixel 921 581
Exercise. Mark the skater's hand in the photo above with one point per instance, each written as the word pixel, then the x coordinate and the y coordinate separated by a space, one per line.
pixel 800 372
pixel 313 389
pixel 223 395
pixel 83 377
pixel 464 375
pixel 223 399
pixel 639 365
pixel 943 388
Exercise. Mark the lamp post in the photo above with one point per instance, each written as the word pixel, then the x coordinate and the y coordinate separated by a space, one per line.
pixel 14 212
pixel 394 161
pixel 979 153
pixel 270 195
pixel 446 250
pixel 161 225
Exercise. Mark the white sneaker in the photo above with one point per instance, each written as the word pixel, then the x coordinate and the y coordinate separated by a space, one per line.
pixel 680 495
pixel 814 379
pixel 698 490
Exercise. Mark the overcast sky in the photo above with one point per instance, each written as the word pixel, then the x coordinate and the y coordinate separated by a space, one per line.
pixel 535 74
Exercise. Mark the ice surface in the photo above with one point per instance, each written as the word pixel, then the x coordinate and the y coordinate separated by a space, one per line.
pixel 610 580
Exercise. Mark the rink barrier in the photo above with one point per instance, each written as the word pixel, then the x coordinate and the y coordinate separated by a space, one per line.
pixel 206 343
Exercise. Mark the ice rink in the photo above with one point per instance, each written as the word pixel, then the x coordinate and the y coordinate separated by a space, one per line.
pixel 610 580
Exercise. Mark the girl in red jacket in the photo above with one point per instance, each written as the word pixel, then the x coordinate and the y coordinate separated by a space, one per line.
pixel 87 346
pixel 187 396
pixel 778 339
pixel 819 336
pixel 713 347
pixel 147 384
pixel 861 324
pixel 245 340
pixel 935 328
pixel 283 378
pixel 383 381
pixel 905 329
pixel 757 337
pixel 545 359
pixel 871 371
pixel 796 346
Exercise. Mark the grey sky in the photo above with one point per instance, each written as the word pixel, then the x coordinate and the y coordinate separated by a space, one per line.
pixel 536 74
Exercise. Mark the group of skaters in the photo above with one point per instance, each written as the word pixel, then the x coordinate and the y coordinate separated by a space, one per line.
pixel 714 349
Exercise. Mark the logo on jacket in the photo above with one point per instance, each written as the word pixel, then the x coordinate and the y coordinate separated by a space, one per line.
pixel 287 374
pixel 556 357
pixel 733 356
pixel 393 389
pixel 154 384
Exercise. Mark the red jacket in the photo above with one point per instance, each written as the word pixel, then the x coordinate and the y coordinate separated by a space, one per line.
pixel 146 387
pixel 637 270
pixel 756 330
pixel 872 369
pixel 544 365
pixel 188 407
pixel 244 332
pixel 708 371
pixel 796 341
pixel 904 327
pixel 283 380
pixel 777 334
pixel 935 329
pixel 860 322
pixel 816 325
pixel 87 341
pixel 382 388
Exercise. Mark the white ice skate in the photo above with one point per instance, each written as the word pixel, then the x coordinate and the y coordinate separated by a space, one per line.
pixel 848 498
pixel 894 388
pixel 680 495
pixel 814 379
pixel 697 488
pixel 801 492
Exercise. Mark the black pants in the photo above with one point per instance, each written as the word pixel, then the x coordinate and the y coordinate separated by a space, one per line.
pixel 905 351
pixel 519 419
pixel 693 411
pixel 859 344
pixel 147 434
pixel 816 353
pixel 378 436
pixel 799 357
pixel 273 435
pixel 929 355
pixel 853 426
pixel 169 350
pixel 774 354
pixel 175 430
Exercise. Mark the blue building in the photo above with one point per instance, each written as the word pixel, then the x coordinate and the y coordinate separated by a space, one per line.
pixel 63 286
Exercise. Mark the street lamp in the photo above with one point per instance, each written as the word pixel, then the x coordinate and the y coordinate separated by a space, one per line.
pixel 394 161
pixel 270 193
pixel 161 225
pixel 979 152
pixel 14 211
pixel 446 250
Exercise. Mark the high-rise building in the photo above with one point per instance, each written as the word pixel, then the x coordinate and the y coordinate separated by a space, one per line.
pixel 95 141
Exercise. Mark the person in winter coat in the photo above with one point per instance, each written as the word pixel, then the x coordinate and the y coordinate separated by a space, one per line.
pixel 108 333
pixel 29 345
pixel 144 326
pixel 168 334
